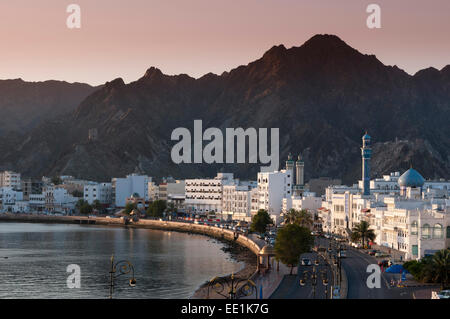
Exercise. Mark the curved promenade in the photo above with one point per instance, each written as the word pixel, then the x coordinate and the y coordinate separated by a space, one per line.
pixel 267 283
pixel 211 231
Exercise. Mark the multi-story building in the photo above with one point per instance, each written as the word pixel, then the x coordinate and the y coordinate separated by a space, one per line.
pixel 123 188
pixel 406 212
pixel 204 196
pixel 170 188
pixel 8 198
pixel 57 199
pixel 153 191
pixel 98 191
pixel 36 202
pixel 237 200
pixel 10 179
pixel 31 187
pixel 272 188
pixel 309 201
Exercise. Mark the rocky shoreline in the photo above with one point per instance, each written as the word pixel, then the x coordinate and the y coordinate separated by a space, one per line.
pixel 237 253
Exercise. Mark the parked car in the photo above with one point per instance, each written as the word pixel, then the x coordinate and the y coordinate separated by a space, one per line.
pixel 306 262
pixel 381 254
pixel 444 294
pixel 342 254
pixel 372 252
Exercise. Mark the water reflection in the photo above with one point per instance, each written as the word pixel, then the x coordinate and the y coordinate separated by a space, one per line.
pixel 167 264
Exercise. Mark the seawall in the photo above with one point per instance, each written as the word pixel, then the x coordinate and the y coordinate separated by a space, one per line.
pixel 211 231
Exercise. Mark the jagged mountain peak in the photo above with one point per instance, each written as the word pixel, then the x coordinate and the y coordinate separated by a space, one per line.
pixel 320 95
pixel 118 82
pixel 153 72
pixel 326 41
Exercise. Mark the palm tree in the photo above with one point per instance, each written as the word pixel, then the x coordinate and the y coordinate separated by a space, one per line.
pixel 363 231
pixel 440 265
pixel 304 219
pixel 290 216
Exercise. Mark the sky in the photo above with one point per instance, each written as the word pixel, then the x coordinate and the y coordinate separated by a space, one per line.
pixel 125 38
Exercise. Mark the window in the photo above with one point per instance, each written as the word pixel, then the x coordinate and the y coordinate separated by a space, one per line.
pixel 437 231
pixel 415 250
pixel 426 231
pixel 414 229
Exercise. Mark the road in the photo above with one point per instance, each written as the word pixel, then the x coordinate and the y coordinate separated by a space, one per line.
pixel 355 266
pixel 290 287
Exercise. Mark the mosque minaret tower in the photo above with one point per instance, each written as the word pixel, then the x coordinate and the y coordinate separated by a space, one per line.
pixel 366 154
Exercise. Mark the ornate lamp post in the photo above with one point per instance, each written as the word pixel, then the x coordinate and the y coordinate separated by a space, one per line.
pixel 123 267
pixel 313 276
pixel 232 288
pixel 325 282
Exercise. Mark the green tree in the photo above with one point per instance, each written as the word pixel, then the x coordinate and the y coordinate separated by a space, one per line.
pixel 290 216
pixel 431 269
pixel 77 193
pixel 129 208
pixel 438 269
pixel 299 217
pixel 292 241
pixel 83 207
pixel 363 232
pixel 98 206
pixel 56 180
pixel 260 221
pixel 157 208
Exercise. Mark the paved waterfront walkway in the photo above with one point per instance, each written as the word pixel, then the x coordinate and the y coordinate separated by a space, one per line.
pixel 270 281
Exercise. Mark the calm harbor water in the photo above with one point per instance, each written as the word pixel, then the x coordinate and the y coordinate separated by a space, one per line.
pixel 34 258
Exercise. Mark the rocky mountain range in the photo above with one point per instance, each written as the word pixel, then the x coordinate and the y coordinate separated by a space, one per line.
pixel 322 95
pixel 25 105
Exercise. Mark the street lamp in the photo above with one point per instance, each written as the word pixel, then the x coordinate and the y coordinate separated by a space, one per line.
pixel 337 263
pixel 313 276
pixel 232 288
pixel 123 267
pixel 325 282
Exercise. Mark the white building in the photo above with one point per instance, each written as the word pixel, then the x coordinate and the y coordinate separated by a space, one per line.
pixel 124 188
pixel 8 198
pixel 406 212
pixel 153 191
pixel 10 179
pixel 204 196
pixel 171 188
pixel 308 201
pixel 237 201
pixel 101 192
pixel 272 188
pixel 37 202
pixel 58 199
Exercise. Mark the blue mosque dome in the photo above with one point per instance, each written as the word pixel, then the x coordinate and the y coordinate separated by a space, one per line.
pixel 411 178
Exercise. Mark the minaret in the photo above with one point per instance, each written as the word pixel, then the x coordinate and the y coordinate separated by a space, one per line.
pixel 300 171
pixel 366 153
pixel 290 166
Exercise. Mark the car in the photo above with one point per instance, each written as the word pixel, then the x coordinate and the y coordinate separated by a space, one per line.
pixel 381 254
pixel 272 241
pixel 444 294
pixel 342 254
pixel 373 252
pixel 306 262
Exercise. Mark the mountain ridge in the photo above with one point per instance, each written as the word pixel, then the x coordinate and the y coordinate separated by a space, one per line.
pixel 322 95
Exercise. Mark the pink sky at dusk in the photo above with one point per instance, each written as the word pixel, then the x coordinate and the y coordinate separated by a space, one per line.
pixel 124 38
